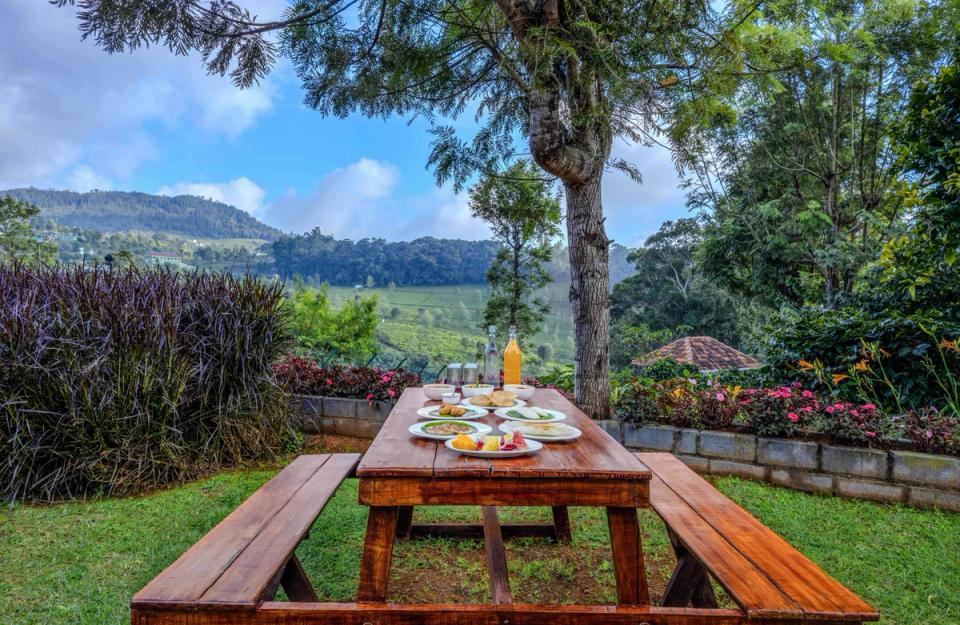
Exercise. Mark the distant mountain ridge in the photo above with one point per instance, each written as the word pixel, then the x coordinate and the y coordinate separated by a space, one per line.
pixel 116 211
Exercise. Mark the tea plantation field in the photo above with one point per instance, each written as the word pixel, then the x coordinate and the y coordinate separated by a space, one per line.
pixel 431 326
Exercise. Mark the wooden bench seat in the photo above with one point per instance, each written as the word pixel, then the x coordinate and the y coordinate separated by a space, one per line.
pixel 242 561
pixel 761 572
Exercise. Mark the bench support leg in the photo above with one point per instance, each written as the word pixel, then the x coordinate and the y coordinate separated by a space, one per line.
pixel 377 553
pixel 561 525
pixel 496 557
pixel 627 556
pixel 295 583
pixel 690 583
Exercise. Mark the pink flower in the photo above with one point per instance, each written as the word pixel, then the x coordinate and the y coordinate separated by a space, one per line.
pixel 855 413
pixel 807 409
pixel 808 394
pixel 721 397
pixel 385 379
pixel 329 381
pixel 391 392
pixel 868 407
pixel 928 434
pixel 793 416
pixel 871 434
pixel 369 396
pixel 830 409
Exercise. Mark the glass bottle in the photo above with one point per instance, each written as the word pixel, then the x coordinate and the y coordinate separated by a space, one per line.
pixel 491 359
pixel 512 360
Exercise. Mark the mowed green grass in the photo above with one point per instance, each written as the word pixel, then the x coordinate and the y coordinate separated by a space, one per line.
pixel 80 563
pixel 444 323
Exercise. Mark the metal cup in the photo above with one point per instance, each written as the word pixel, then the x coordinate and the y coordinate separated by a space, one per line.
pixel 471 373
pixel 455 373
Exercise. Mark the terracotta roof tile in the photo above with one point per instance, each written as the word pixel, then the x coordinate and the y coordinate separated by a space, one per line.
pixel 705 352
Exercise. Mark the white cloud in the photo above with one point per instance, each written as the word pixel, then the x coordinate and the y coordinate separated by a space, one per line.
pixel 66 104
pixel 348 202
pixel 84 179
pixel 242 192
pixel 362 200
pixel 639 209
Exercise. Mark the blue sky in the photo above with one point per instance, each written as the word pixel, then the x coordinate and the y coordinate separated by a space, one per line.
pixel 72 116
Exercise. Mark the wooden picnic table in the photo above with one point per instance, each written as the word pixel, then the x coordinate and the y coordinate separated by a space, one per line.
pixel 232 574
pixel 400 472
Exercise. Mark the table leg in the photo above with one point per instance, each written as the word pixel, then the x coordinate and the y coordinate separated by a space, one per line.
pixel 627 551
pixel 404 522
pixel 496 557
pixel 561 525
pixel 377 553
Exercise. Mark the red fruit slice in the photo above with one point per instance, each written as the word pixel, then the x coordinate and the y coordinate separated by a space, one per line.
pixel 518 439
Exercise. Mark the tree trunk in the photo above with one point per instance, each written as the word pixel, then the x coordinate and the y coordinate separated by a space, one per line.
pixel 589 296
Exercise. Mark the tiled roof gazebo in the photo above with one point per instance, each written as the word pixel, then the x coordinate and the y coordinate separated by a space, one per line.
pixel 703 352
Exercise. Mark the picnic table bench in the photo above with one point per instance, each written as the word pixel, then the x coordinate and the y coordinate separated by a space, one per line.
pixel 231 576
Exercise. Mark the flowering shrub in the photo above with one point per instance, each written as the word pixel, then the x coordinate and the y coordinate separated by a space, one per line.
pixel 778 411
pixel 301 375
pixel 859 424
pixel 933 431
pixel 682 402
pixel 640 401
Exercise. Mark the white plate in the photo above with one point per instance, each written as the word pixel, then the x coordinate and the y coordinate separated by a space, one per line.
pixel 417 429
pixel 430 412
pixel 567 432
pixel 556 415
pixel 516 404
pixel 532 448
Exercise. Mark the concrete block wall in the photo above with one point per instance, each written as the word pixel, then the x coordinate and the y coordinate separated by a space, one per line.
pixel 337 415
pixel 910 478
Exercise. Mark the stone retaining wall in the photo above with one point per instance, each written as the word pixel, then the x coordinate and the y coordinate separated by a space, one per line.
pixel 911 478
pixel 312 414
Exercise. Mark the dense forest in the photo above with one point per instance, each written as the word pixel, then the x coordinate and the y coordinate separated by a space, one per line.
pixel 114 211
pixel 426 261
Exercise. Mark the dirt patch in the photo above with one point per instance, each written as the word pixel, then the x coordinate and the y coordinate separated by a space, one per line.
pixel 448 571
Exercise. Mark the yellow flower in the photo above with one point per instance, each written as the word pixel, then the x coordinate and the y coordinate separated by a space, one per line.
pixel 839 377
pixel 805 364
pixel 735 391
pixel 863 365
pixel 950 345
pixel 677 392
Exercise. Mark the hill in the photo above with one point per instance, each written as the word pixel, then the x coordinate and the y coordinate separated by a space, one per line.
pixel 117 211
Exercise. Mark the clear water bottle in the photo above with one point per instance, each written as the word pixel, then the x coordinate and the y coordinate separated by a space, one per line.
pixel 491 359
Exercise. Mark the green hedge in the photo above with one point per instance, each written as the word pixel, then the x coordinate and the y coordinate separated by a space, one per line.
pixel 115 382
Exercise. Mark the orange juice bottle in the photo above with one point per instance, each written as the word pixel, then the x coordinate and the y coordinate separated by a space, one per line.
pixel 512 360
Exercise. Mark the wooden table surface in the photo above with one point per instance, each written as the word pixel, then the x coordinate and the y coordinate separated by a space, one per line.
pixel 595 455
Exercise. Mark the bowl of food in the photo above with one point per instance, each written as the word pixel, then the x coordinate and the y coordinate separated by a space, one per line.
pixel 436 391
pixel 522 391
pixel 471 390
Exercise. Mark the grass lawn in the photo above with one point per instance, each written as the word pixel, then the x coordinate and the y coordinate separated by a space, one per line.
pixel 79 563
